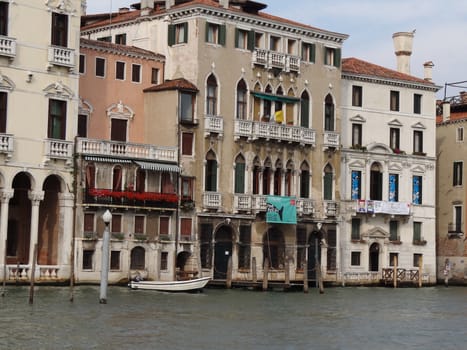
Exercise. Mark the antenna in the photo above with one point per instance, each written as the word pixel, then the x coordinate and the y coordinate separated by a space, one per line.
pixel 110 21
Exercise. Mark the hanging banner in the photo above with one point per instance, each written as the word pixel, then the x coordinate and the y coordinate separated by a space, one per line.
pixel 281 210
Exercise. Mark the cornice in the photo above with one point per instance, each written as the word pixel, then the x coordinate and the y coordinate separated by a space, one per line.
pixel 390 82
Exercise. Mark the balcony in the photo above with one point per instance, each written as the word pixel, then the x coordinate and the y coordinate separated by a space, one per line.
pixel 103 196
pixel 212 200
pixel 7 46
pixel 6 144
pixel 276 60
pixel 58 149
pixel 330 208
pixel 61 56
pixel 331 139
pixel 213 124
pixel 382 207
pixel 242 202
pixel 273 131
pixel 305 206
pixel 126 150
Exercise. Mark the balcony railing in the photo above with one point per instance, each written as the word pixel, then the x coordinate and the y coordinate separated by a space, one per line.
pixel 212 200
pixel 305 206
pixel 7 46
pixel 58 149
pixel 330 208
pixel 61 56
pixel 331 139
pixel 130 198
pixel 242 202
pixel 213 124
pixel 274 59
pixel 273 131
pixel 6 144
pixel 126 150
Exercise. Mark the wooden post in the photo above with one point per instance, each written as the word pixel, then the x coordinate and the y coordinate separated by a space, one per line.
pixel 265 274
pixel 228 282
pixel 33 273
pixel 287 274
pixel 17 272
pixel 305 277
pixel 254 277
pixel 395 272
pixel 420 271
pixel 319 277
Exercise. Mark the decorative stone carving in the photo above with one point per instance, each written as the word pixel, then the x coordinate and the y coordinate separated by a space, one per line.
pixel 61 6
pixel 58 90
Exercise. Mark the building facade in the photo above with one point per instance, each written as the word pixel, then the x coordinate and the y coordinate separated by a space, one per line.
pixel 254 99
pixel 39 104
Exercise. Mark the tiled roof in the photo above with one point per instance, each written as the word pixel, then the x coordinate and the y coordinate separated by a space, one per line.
pixel 356 66
pixel 452 118
pixel 119 49
pixel 175 84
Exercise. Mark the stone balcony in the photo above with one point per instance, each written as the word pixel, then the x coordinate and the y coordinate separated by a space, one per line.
pixel 212 200
pixel 6 145
pixel 213 125
pixel 61 56
pixel 7 46
pixel 58 149
pixel 331 139
pixel 276 60
pixel 257 203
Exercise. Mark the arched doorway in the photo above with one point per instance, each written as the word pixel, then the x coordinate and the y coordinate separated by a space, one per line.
pixel 19 221
pixel 182 258
pixel 314 254
pixel 274 248
pixel 49 218
pixel 222 252
pixel 374 257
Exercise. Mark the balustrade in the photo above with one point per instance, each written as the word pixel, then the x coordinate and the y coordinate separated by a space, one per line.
pixel 7 46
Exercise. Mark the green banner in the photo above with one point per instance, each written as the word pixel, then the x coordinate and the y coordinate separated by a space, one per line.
pixel 281 210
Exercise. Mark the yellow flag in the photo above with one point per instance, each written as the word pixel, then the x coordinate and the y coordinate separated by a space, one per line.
pixel 279 116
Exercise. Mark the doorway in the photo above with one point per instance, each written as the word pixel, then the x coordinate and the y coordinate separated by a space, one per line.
pixel 222 252
pixel 374 257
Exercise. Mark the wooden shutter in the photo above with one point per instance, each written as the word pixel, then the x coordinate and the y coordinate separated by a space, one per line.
pixel 251 40
pixel 222 32
pixel 240 178
pixel 337 57
pixel 185 30
pixel 163 225
pixel 187 144
pixel 327 186
pixel 88 222
pixel 118 129
pixel 171 35
pixel 185 227
pixel 139 224
pixel 237 35
pixel 116 223
pixel 312 53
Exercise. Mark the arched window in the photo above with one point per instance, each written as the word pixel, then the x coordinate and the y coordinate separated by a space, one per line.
pixel 278 105
pixel 90 176
pixel 267 106
pixel 376 182
pixel 140 180
pixel 305 180
pixel 256 175
pixel 289 109
pixel 240 174
pixel 117 178
pixel 288 179
pixel 138 257
pixel 305 110
pixel 327 183
pixel 328 113
pixel 241 100
pixel 278 179
pixel 267 172
pixel 211 96
pixel 210 183
pixel 257 104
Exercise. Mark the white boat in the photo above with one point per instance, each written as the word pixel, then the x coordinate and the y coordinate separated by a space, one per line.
pixel 172 286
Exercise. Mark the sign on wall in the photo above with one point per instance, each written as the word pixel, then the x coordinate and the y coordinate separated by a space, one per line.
pixel 281 210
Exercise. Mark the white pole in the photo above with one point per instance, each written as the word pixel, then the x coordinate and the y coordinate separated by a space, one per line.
pixel 105 258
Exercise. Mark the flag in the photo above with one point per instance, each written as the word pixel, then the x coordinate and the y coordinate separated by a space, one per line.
pixel 279 116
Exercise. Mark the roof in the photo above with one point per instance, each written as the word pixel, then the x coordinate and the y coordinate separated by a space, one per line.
pixel 119 49
pixel 355 66
pixel 452 118
pixel 175 84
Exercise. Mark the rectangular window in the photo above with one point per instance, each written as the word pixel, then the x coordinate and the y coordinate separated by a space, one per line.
pixel 394 139
pixel 106 39
pixel 417 258
pixel 244 247
pixel 417 104
pixel 417 188
pixel 356 185
pixel 118 128
pixel 100 67
pixel 205 245
pixel 139 224
pixel 418 142
pixel 187 188
pixel 292 47
pixel 393 187
pixel 460 134
pixel 394 101
pixel 164 222
pixel 274 43
pixel 3 111
pixel 355 258
pixel 356 135
pixel 57 119
pixel 116 224
pixel 88 224
pixel 393 259
pixel 120 70
pixel 457 219
pixel 259 41
pixel 87 259
pixel 155 76
pixel 215 33
pixel 59 29
pixel 120 39
pixel 187 143
pixel 164 261
pixel 82 64
pixel 308 52
pixel 4 18
pixel 331 254
pixel 136 73
pixel 332 57
pixel 241 39
pixel 457 173
pixel 356 96
pixel 185 228
pixel 355 236
pixel 327 186
pixel 115 260
pixel 417 231
pixel 305 183
pixel 187 107
pixel 393 230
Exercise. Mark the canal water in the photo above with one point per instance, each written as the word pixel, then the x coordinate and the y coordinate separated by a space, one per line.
pixel 341 318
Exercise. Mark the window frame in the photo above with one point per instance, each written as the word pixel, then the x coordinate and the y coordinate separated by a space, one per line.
pixel 357 130
pixel 308 52
pixel 457 173
pixel 394 138
pixel 3 111
pixel 355 234
pixel 82 64
pixel 136 75
pixel 59 29
pixel 394 101
pixel 155 75
pixel 53 118
pixel 355 258
pixel 418 142
pixel 183 99
pixel 417 200
pixel 417 103
pixel 120 67
pixel 460 134
pixel 4 18
pixel 187 143
pixel 100 67
pixel 357 96
pixel 120 39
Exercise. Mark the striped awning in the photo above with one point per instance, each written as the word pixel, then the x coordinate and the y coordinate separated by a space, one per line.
pixel 107 159
pixel 172 168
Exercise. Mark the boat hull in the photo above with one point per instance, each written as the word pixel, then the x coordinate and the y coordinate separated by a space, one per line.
pixel 171 286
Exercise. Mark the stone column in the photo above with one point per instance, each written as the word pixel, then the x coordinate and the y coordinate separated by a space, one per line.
pixel 66 206
pixel 5 197
pixel 36 198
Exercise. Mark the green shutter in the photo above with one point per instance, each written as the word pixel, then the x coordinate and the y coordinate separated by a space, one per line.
pixel 355 229
pixel 171 35
pixel 185 28
pixel 214 176
pixel 327 195
pixel 417 234
pixel 337 57
pixel 207 32
pixel 304 113
pixel 222 32
pixel 237 32
pixel 240 178
pixel 312 52
pixel 251 40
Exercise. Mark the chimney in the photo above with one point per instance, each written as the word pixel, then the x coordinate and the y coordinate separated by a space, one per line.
pixel 146 7
pixel 446 111
pixel 224 3
pixel 123 10
pixel 463 97
pixel 83 7
pixel 403 50
pixel 428 71
pixel 169 4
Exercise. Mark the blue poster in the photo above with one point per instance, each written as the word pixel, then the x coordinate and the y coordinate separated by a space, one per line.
pixel 356 175
pixel 281 210
pixel 416 190
pixel 392 187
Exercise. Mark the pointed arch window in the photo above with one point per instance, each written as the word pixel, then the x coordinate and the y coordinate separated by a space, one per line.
pixel 278 179
pixel 327 183
pixel 211 96
pixel 305 181
pixel 211 172
pixel 240 174
pixel 305 110
pixel 256 104
pixel 267 173
pixel 256 176
pixel 288 179
pixel 329 113
pixel 241 100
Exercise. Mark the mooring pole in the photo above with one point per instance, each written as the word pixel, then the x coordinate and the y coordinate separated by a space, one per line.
pixel 33 273
pixel 265 274
pixel 395 272
pixel 105 258
pixel 420 271
pixel 305 277
pixel 228 282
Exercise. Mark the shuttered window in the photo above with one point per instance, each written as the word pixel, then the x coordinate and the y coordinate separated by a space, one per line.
pixel 164 225
pixel 139 224
pixel 185 227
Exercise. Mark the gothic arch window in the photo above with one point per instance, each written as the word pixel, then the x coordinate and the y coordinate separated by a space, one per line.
pixel 267 105
pixel 288 178
pixel 257 103
pixel 242 100
pixel 328 182
pixel 329 123
pixel 211 95
pixel 305 110
pixel 289 108
pixel 240 168
pixel 267 174
pixel 210 183
pixel 256 175
pixel 305 180
pixel 278 178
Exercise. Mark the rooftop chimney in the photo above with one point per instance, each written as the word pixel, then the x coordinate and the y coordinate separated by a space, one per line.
pixel 403 50
pixel 428 71
pixel 463 96
pixel 169 4
pixel 146 7
pixel 224 3
pixel 446 111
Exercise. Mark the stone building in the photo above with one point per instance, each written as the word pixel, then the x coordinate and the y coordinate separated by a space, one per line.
pixel 253 101
pixel 38 106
